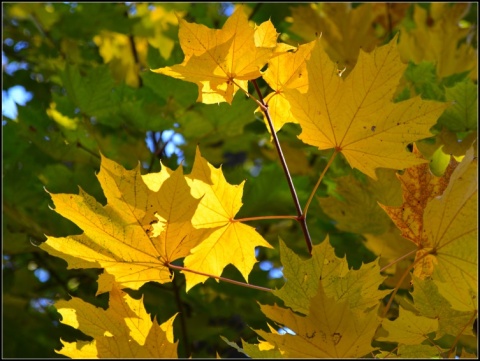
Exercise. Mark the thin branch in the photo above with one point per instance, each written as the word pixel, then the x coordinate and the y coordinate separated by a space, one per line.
pixel 81 146
pixel 254 11
pixel 301 217
pixel 397 287
pixel 135 58
pixel 391 352
pixel 398 260
pixel 156 151
pixel 260 103
pixel 53 274
pixel 243 284
pixel 183 322
pixel 305 210
pixel 247 219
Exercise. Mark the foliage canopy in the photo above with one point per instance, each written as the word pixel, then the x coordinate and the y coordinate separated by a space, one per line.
pixel 181 150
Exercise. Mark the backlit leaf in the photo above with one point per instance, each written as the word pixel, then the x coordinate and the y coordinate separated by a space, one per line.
pixel 220 61
pixel 430 303
pixel 287 71
pixel 231 242
pixel 359 288
pixel 408 328
pixel 331 330
pixel 451 228
pixel 463 115
pixel 117 236
pixel 358 210
pixel 436 38
pixel 124 330
pixel 344 29
pixel 356 116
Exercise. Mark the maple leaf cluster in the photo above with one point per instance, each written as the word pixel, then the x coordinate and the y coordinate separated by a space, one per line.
pixel 152 222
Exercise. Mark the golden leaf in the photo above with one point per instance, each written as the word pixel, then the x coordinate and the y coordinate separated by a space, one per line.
pixel 124 330
pixel 356 116
pixel 331 330
pixel 286 71
pixel 231 242
pixel 119 237
pixel 221 61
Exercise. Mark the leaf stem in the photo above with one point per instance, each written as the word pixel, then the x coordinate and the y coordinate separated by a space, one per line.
pixel 305 210
pixel 81 146
pixel 263 218
pixel 301 217
pixel 398 260
pixel 391 352
pixel 238 283
pixel 397 287
pixel 260 103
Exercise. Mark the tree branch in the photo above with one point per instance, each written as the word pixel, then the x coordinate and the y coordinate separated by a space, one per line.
pixel 301 217
pixel 183 322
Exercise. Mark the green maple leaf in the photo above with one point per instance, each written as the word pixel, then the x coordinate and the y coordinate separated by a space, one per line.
pixel 331 329
pixel 430 303
pixel 359 288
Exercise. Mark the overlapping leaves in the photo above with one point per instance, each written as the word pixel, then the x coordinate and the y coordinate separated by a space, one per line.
pixel 222 61
pixel 124 330
pixel 338 305
pixel 356 116
pixel 153 220
pixel 439 216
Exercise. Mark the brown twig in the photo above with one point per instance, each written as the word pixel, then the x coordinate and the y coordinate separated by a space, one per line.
pixel 263 218
pixel 300 215
pixel 238 283
pixel 183 322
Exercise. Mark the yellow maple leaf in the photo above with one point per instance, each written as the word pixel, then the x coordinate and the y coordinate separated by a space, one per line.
pixel 124 330
pixel 155 21
pixel 390 247
pixel 221 61
pixel 356 116
pixel 436 38
pixel 119 237
pixel 344 30
pixel 358 210
pixel 389 14
pixel 117 51
pixel 439 216
pixel 331 329
pixel 287 71
pixel 408 328
pixel 451 226
pixel 430 303
pixel 231 242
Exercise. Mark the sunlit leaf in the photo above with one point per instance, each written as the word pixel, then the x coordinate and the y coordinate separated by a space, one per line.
pixel 220 61
pixel 124 330
pixel 356 116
